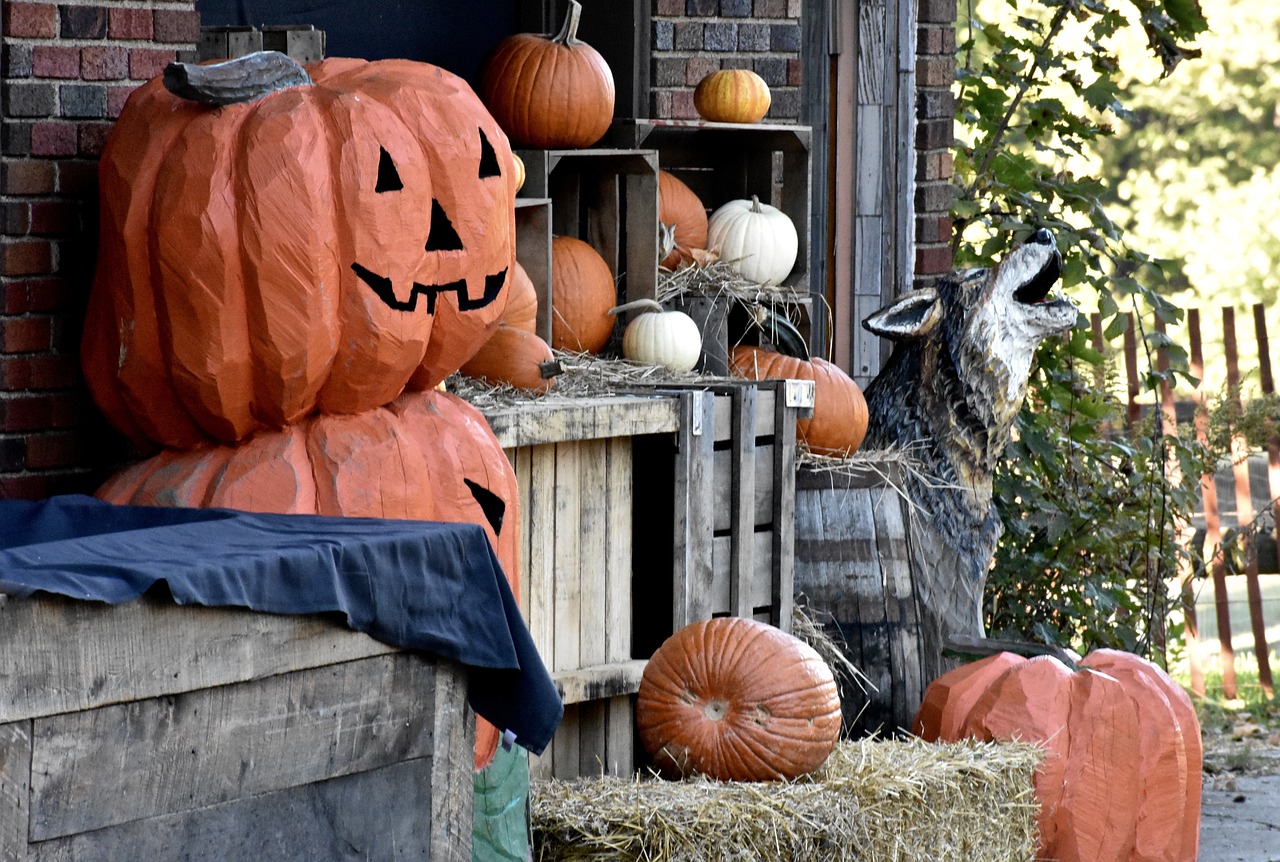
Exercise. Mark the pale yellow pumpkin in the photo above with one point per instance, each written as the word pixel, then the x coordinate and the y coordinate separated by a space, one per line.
pixel 732 96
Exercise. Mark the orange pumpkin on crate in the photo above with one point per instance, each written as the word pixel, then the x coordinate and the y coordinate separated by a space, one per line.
pixel 680 210
pixel 737 700
pixel 839 421
pixel 427 456
pixel 316 244
pixel 1121 777
pixel 582 294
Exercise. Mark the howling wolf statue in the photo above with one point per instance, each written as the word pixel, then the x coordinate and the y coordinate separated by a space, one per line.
pixel 948 395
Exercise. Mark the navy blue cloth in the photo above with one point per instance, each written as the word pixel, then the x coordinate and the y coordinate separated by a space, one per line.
pixel 417 585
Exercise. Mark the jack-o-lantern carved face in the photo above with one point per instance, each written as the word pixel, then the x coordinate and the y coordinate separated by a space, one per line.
pixel 317 248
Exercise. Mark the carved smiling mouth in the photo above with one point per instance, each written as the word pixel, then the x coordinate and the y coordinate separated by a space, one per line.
pixel 383 289
pixel 1038 288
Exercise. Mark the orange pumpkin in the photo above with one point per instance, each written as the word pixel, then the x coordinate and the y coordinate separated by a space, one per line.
pixel 427 456
pixel 732 96
pixel 549 92
pixel 738 700
pixel 680 207
pixel 512 356
pixel 582 293
pixel 1121 775
pixel 315 248
pixel 522 302
pixel 839 421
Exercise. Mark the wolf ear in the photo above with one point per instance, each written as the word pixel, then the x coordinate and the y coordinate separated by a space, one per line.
pixel 912 315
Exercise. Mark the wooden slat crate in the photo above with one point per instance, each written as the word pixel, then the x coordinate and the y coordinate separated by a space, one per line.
pixel 574 464
pixel 152 731
pixel 533 251
pixel 714 516
pixel 303 42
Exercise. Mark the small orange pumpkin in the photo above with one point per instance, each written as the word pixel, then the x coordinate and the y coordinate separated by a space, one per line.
pixel 839 421
pixel 582 293
pixel 549 92
pixel 522 302
pixel 732 96
pixel 738 700
pixel 679 207
pixel 1121 777
pixel 512 356
pixel 313 248
pixel 427 456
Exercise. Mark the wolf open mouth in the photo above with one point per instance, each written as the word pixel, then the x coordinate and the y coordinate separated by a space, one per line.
pixel 1038 288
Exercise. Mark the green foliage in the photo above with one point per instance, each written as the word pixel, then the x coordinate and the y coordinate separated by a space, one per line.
pixel 1090 516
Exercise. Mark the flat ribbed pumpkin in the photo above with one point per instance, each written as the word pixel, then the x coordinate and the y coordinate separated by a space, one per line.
pixel 549 92
pixel 680 208
pixel 427 456
pixel 738 700
pixel 839 421
pixel 582 293
pixel 1121 777
pixel 315 247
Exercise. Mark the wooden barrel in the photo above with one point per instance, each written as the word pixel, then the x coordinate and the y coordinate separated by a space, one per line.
pixel 854 571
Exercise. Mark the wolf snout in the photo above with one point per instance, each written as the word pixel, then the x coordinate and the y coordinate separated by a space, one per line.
pixel 1043 236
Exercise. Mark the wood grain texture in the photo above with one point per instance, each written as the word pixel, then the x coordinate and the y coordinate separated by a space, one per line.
pixel 131 761
pixel 59 655
pixel 586 419
pixel 15 789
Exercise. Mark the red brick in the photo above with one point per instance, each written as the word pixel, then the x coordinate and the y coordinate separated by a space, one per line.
pixel 697 68
pixel 116 97
pixel 147 63
pixel 794 8
pixel 933 260
pixel 24 487
pixel 104 63
pixel 31 20
pixel 33 295
pixel 26 257
pixel 177 25
pixel 682 105
pixel 53 139
pixel 52 371
pixel 48 451
pixel 937 11
pixel 795 73
pixel 25 334
pixel 55 61
pixel 15 218
pixel 673 8
pixel 662 104
pixel 92 138
pixel 933 229
pixel 935 71
pixel 29 177
pixel 771 8
pixel 130 24
pixel 54 218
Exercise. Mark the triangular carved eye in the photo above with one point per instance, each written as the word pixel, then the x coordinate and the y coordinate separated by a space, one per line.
pixel 388 176
pixel 442 237
pixel 489 166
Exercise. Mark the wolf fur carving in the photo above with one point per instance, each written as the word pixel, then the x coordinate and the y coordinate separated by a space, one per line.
pixel 949 394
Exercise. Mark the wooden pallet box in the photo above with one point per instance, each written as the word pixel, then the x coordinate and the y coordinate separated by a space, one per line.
pixel 153 731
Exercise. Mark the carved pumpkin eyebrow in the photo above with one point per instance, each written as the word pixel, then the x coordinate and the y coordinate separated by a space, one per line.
pixel 388 176
pixel 489 166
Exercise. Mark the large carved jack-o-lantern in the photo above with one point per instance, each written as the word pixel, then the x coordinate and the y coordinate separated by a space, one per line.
pixel 293 244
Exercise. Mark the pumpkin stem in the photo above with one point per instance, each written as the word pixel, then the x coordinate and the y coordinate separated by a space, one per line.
pixel 755 204
pixel 244 79
pixel 646 304
pixel 568 34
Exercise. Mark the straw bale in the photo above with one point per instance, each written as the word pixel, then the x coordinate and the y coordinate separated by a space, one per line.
pixel 874 800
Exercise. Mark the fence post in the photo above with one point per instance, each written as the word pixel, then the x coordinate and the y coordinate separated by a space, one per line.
pixel 1212 525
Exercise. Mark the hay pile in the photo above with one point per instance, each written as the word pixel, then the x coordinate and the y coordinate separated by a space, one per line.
pixel 874 800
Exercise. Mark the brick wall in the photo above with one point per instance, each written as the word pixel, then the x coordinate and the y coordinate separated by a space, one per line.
pixel 693 38
pixel 935 112
pixel 65 70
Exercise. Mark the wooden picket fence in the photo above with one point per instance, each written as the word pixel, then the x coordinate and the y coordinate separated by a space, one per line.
pixel 1244 500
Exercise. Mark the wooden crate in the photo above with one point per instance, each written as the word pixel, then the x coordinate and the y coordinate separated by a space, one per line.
pixel 714 515
pixel 303 42
pixel 574 464
pixel 533 251
pixel 854 571
pixel 152 731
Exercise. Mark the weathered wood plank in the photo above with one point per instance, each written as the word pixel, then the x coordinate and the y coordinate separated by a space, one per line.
pixel 873 63
pixel 621 735
pixel 600 682
pixel 59 655
pixel 541 556
pixel 583 419
pixel 694 503
pixel 762 466
pixel 567 759
pixel 533 251
pixel 453 736
pixel 593 525
pixel 782 550
pixel 900 600
pixel 593 737
pixel 15 789
pixel 743 566
pixel 618 554
pixel 567 506
pixel 135 760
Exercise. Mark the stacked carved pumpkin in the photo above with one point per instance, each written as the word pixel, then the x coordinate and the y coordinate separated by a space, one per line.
pixel 284 278
pixel 1120 780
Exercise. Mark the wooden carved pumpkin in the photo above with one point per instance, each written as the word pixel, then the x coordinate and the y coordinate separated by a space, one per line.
pixel 732 96
pixel 549 92
pixel 582 293
pixel 512 356
pixel 315 247
pixel 757 240
pixel 522 302
pixel 660 337
pixel 738 700
pixel 1121 775
pixel 681 209
pixel 839 421
pixel 427 456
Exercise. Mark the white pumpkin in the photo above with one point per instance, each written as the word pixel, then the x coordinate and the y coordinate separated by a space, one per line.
pixel 757 240
pixel 659 337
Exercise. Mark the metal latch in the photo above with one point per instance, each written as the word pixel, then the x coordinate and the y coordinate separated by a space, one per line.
pixel 798 393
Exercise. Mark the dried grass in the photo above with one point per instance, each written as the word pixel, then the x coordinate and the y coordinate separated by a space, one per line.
pixel 874 801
